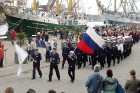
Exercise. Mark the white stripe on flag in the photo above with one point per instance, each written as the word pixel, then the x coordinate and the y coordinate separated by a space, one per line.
pixel 95 37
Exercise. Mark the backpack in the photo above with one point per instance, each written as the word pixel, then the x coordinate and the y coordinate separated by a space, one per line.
pixel 119 89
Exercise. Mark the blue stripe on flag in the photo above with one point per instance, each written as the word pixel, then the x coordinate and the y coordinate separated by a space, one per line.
pixel 87 39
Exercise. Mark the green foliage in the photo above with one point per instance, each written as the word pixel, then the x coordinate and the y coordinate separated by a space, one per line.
pixel 21 39
pixel 77 30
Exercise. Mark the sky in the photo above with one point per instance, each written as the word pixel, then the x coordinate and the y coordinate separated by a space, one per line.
pixel 87 6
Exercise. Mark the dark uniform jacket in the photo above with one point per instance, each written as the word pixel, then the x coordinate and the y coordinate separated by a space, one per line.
pixel 55 58
pixel 71 62
pixel 37 57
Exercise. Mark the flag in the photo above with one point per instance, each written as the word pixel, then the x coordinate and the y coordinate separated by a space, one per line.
pixel 90 41
pixel 21 57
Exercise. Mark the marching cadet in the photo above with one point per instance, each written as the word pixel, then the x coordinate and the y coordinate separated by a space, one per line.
pixel 102 57
pixel 125 50
pixel 36 63
pixel 93 60
pixel 54 64
pixel 119 50
pixel 72 47
pixel 65 52
pixel 108 55
pixel 113 52
pixel 71 63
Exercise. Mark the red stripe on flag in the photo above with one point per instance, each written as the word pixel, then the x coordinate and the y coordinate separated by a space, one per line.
pixel 84 47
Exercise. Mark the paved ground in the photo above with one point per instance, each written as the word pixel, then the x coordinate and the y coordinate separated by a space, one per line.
pixel 21 85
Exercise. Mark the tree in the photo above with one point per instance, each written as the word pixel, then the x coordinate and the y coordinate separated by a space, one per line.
pixel 21 39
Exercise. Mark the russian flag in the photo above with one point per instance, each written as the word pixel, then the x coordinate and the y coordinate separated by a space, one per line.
pixel 90 41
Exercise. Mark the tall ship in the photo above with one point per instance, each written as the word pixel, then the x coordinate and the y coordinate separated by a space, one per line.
pixel 52 16
pixel 3 26
pixel 125 11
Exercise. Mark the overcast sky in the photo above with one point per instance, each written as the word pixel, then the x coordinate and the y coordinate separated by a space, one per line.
pixel 88 6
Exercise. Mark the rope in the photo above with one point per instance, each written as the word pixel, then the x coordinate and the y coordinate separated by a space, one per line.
pixel 17 23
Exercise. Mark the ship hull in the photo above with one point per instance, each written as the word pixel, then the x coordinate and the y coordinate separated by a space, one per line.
pixel 31 27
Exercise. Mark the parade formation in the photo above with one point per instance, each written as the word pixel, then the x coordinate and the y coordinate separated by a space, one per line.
pixel 119 40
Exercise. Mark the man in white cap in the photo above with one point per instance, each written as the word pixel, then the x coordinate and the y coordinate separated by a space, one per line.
pixel 36 63
pixel 54 64
pixel 71 61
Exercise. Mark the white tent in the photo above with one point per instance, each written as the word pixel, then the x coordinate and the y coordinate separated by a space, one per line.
pixel 3 30
pixel 92 24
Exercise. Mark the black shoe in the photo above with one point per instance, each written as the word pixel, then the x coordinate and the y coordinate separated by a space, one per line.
pixel 72 81
pixel 49 80
pixel 32 78
pixel 40 76
pixel 58 78
pixel 62 68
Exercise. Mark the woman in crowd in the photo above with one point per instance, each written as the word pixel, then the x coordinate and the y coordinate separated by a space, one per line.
pixel 9 90
pixel 109 83
pixel 133 83
pixel 31 91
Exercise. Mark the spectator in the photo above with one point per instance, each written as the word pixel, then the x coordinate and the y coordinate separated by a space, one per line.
pixel 52 91
pixel 13 36
pixel 31 91
pixel 109 83
pixel 46 37
pixel 1 53
pixel 133 83
pixel 94 82
pixel 9 90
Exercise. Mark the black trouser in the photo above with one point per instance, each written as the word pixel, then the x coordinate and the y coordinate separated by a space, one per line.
pixel 47 56
pixel 79 61
pixel 55 67
pixel 93 62
pixel 83 60
pixel 109 61
pixel 64 60
pixel 36 66
pixel 1 62
pixel 89 58
pixel 71 73
pixel 119 56
pixel 101 59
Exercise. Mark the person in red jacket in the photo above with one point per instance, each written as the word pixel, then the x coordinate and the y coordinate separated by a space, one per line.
pixel 1 53
pixel 13 36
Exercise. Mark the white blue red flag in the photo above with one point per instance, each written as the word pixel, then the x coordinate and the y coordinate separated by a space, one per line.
pixel 90 41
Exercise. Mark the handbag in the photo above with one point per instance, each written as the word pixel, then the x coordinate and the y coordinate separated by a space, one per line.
pixel 119 89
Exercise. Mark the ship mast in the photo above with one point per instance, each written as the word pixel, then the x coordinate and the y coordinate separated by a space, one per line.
pixel 70 7
pixel 125 1
pixel 115 10
pixel 34 5
pixel 57 7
